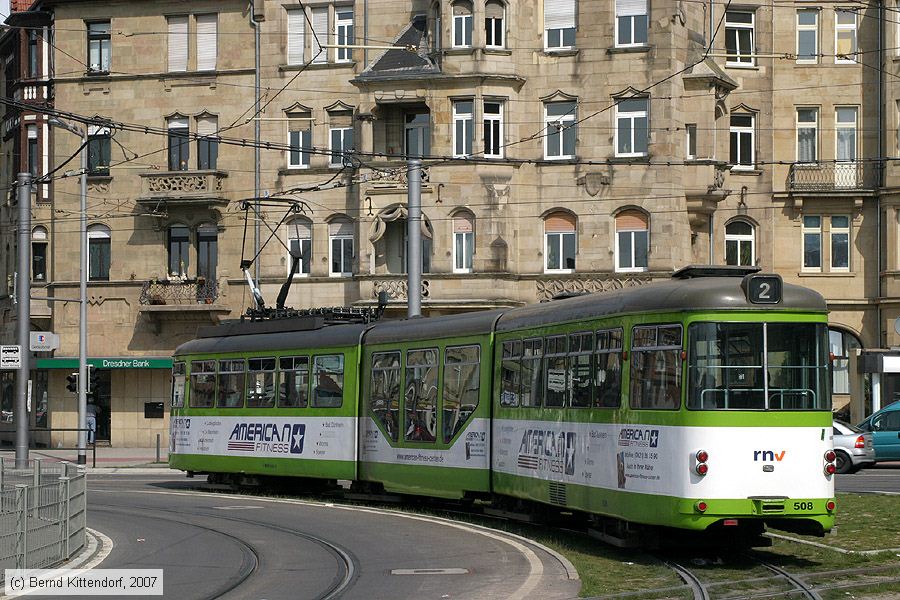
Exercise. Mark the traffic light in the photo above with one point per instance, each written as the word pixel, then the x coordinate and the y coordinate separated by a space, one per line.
pixel 91 378
pixel 72 382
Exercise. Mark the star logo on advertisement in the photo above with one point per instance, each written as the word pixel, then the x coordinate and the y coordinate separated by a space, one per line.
pixel 298 433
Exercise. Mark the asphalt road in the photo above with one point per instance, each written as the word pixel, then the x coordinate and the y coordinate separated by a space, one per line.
pixel 883 477
pixel 240 547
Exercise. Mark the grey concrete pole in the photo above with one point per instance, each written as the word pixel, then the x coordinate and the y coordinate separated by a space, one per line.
pixel 23 321
pixel 82 313
pixel 414 238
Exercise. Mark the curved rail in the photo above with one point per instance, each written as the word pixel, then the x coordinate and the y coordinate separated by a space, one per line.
pixel 697 588
pixel 801 585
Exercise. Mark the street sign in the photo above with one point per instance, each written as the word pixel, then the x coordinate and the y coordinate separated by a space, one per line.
pixel 43 341
pixel 11 357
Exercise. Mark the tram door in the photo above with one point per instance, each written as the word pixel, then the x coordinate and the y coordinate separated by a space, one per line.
pixel 100 396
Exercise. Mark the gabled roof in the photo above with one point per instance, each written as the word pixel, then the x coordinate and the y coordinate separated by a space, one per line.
pixel 402 63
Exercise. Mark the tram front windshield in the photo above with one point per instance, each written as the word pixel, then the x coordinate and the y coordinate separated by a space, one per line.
pixel 758 366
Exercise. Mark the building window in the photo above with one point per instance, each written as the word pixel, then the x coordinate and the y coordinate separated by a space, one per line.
pixel 207 41
pixel 807 135
pixel 178 43
pixel 632 127
pixel 343 33
pixel 632 241
pixel 299 139
pixel 463 242
pixel 845 132
pixel 840 243
pixel 812 243
pixel 741 143
pixel 33 158
pixel 494 30
pixel 417 130
pixel 207 143
pixel 559 119
pixel 691 134
pixel 340 251
pixel 559 24
pixel 740 243
pixel 98 42
pixel 841 344
pixel 300 243
pixel 462 24
pixel 296 36
pixel 341 140
pixel 493 130
pixel 32 66
pixel 463 122
pixel 207 251
pixel 98 150
pixel 39 239
pixel 98 252
pixel 845 36
pixel 739 38
pixel 320 34
pixel 559 243
pixel 808 35
pixel 631 22
pixel 179 144
pixel 179 250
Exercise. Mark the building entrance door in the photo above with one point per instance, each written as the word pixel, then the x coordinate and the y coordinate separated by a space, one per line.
pixel 100 393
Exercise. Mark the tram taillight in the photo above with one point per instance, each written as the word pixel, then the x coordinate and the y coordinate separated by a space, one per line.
pixel 830 505
pixel 702 456
pixel 701 467
pixel 829 469
pixel 701 506
pixel 830 456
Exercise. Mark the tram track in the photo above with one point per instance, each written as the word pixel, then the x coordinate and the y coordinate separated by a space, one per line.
pixel 342 581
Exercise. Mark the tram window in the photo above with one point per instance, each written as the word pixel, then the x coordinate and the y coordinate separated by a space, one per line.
pixel 203 384
pixel 462 382
pixel 725 366
pixel 532 383
pixel 581 346
pixel 178 384
pixel 608 378
pixel 293 389
pixel 328 378
pixel 260 383
pixel 656 367
pixel 231 384
pixel 420 399
pixel 384 395
pixel 555 375
pixel 797 366
pixel 510 373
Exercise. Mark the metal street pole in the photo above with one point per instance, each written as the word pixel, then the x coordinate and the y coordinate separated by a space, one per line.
pixel 23 321
pixel 414 238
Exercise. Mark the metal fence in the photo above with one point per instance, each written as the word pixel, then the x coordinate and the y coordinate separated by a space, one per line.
pixel 43 514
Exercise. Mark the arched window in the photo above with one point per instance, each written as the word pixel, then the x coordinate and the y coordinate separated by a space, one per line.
pixel 559 242
pixel 740 243
pixel 207 251
pixel 179 250
pixel 340 251
pixel 98 252
pixel 463 241
pixel 299 235
pixel 462 24
pixel 39 239
pixel 494 27
pixel 841 343
pixel 632 240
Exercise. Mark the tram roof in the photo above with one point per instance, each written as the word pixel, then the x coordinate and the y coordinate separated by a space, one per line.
pixel 332 336
pixel 705 293
pixel 459 325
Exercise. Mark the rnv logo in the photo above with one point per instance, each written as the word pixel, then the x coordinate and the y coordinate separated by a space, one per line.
pixel 768 455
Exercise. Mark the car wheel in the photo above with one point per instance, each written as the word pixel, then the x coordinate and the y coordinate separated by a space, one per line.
pixel 842 462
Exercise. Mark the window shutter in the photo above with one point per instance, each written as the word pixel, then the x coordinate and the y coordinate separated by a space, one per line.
pixel 320 33
pixel 631 8
pixel 296 25
pixel 559 222
pixel 462 223
pixel 178 43
pixel 207 42
pixel 493 10
pixel 631 220
pixel 559 14
pixel 207 125
pixel 340 227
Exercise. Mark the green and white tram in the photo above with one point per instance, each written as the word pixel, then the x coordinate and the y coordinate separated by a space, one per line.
pixel 700 403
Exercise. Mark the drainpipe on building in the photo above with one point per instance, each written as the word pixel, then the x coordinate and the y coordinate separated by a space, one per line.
pixel 880 165
pixel 256 132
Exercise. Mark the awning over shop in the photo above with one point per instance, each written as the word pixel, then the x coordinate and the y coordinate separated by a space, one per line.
pixel 117 362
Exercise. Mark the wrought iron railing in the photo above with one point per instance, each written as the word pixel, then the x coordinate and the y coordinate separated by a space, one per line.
pixel 832 176
pixel 178 291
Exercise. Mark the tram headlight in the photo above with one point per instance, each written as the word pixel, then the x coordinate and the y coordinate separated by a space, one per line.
pixel 701 468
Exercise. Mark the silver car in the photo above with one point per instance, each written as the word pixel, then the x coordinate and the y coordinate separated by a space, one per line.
pixel 853 447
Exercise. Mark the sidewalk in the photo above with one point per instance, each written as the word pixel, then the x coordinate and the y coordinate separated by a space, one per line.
pixel 106 456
